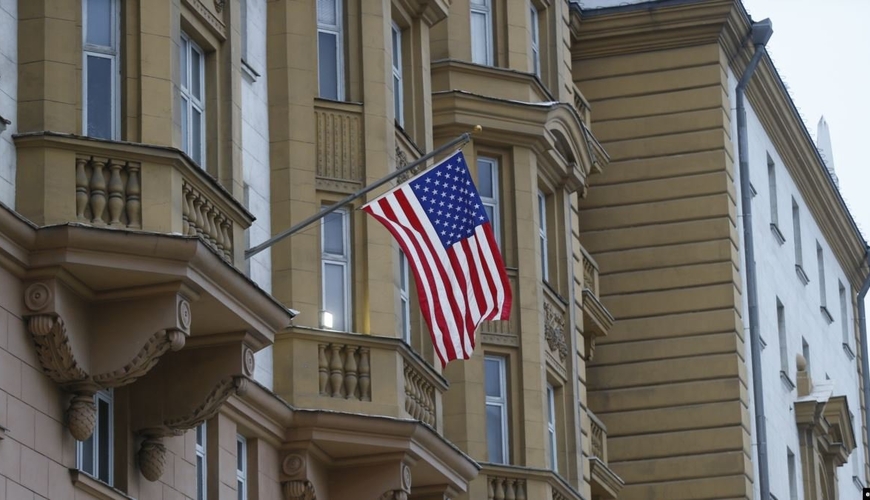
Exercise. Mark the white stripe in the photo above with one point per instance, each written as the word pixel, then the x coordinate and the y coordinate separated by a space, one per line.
pixel 441 253
pixel 493 270
pixel 487 295
pixel 412 254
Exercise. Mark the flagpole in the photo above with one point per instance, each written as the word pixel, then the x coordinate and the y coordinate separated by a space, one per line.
pixel 462 139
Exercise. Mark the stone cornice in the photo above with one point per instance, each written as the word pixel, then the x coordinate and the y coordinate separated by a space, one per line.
pixel 430 11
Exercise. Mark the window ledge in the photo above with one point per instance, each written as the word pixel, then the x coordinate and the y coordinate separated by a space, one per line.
pixel 777 233
pixel 849 352
pixel 858 483
pixel 786 380
pixel 95 487
pixel 763 343
pixel 801 274
pixel 249 72
pixel 826 314
pixel 2 432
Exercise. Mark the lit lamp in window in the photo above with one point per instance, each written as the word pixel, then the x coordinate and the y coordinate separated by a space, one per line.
pixel 326 320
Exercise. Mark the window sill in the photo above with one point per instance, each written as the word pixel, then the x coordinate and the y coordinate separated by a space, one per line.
pixel 786 380
pixel 95 487
pixel 848 350
pixel 777 233
pixel 2 433
pixel 826 314
pixel 763 343
pixel 858 483
pixel 249 72
pixel 801 274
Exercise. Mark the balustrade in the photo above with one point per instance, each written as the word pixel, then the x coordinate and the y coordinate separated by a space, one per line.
pixel 598 438
pixel 512 482
pixel 419 396
pixel 108 192
pixel 344 371
pixel 505 488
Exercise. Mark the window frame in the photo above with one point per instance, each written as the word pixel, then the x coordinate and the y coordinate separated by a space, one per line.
pixel 551 428
pixel 398 77
pixel 501 402
pixel 404 298
pixel 535 38
pixel 495 200
pixel 190 102
pixel 342 260
pixel 201 454
pixel 337 30
pixel 241 473
pixel 108 397
pixel 542 236
pixel 483 8
pixel 112 53
pixel 783 337
pixel 844 319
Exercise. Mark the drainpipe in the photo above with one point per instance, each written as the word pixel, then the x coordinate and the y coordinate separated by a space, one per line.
pixel 865 363
pixel 760 34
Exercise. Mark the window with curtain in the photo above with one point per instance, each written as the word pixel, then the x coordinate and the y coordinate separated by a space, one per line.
pixel 330 49
pixel 192 100
pixel 535 39
pixel 398 90
pixel 488 187
pixel 101 69
pixel 335 268
pixel 404 298
pixel 495 380
pixel 481 32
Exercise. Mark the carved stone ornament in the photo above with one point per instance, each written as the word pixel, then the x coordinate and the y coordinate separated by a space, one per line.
pixel 298 490
pixel 406 478
pixel 293 465
pixel 402 162
pixel 81 416
pixel 395 495
pixel 152 458
pixel 554 330
pixel 248 361
pixel 219 5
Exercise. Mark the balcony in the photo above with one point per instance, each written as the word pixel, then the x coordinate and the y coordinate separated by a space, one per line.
pixel 355 373
pixel 597 320
pixel 605 483
pixel 339 145
pixel 122 185
pixel 509 482
pixel 581 105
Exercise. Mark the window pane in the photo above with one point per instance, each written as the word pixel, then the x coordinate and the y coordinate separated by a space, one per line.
pixel 478 38
pixel 327 47
pixel 327 12
pixel 403 271
pixel 185 126
pixel 99 97
pixel 185 71
pixel 397 42
pixel 200 435
pixel 196 66
pixel 489 212
pixel 484 179
pixel 494 433
pixel 87 464
pixel 200 479
pixel 104 440
pixel 240 488
pixel 99 22
pixel 333 294
pixel 493 378
pixel 406 327
pixel 333 233
pixel 196 136
pixel 478 2
pixel 397 99
pixel 240 455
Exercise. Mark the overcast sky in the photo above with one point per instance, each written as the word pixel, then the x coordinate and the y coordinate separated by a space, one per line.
pixel 822 52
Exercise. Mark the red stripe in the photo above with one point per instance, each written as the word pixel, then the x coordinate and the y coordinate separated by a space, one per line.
pixel 507 302
pixel 487 277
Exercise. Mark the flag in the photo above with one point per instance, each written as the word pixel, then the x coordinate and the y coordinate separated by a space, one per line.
pixel 440 222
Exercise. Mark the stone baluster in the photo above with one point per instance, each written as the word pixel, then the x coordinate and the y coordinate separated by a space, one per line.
pixel 323 369
pixel 81 189
pixel 98 192
pixel 498 491
pixel 212 225
pixel 134 197
pixel 196 214
pixel 227 228
pixel 510 489
pixel 116 193
pixel 490 490
pixel 336 377
pixel 218 232
pixel 185 209
pixel 350 372
pixel 364 375
pixel 521 489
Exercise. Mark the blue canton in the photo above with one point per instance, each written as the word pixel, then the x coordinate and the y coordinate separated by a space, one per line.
pixel 450 200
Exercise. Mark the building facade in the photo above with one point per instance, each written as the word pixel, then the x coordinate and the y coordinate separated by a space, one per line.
pixel 145 355
pixel 673 380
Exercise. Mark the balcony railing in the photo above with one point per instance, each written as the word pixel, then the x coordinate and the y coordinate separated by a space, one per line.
pixel 126 186
pixel 605 483
pixel 582 106
pixel 508 482
pixel 339 145
pixel 360 373
pixel 598 438
pixel 590 272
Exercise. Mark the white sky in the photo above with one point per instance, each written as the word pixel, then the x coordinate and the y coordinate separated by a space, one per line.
pixel 822 51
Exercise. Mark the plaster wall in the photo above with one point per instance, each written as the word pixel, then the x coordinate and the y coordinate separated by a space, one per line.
pixel 777 278
pixel 8 97
pixel 255 159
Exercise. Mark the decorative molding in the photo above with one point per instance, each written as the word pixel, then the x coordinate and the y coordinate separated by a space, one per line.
pixel 554 330
pixel 81 415
pixel 152 457
pixel 219 5
pixel 37 296
pixel 52 346
pixel 145 359
pixel 206 15
pixel 212 404
pixel 498 339
pixel 294 465
pixel 249 362
pixel 298 490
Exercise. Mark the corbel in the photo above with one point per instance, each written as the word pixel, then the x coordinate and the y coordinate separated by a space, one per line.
pixel 47 303
pixel 405 490
pixel 295 477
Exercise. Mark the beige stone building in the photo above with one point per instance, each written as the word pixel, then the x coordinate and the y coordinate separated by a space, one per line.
pixel 147 144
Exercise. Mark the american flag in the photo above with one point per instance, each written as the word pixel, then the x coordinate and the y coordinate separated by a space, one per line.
pixel 439 221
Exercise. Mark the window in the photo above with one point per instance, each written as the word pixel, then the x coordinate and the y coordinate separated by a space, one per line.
pixel 844 318
pixel 335 268
pixel 551 428
pixel 771 184
pixel 481 32
pixel 542 235
pixel 535 39
pixel 404 298
pixel 783 341
pixel 330 49
pixel 792 476
pixel 192 100
pixel 798 251
pixel 243 27
pixel 398 90
pixel 241 467
pixel 101 69
pixel 96 455
pixel 496 409
pixel 823 296
pixel 201 472
pixel 487 185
